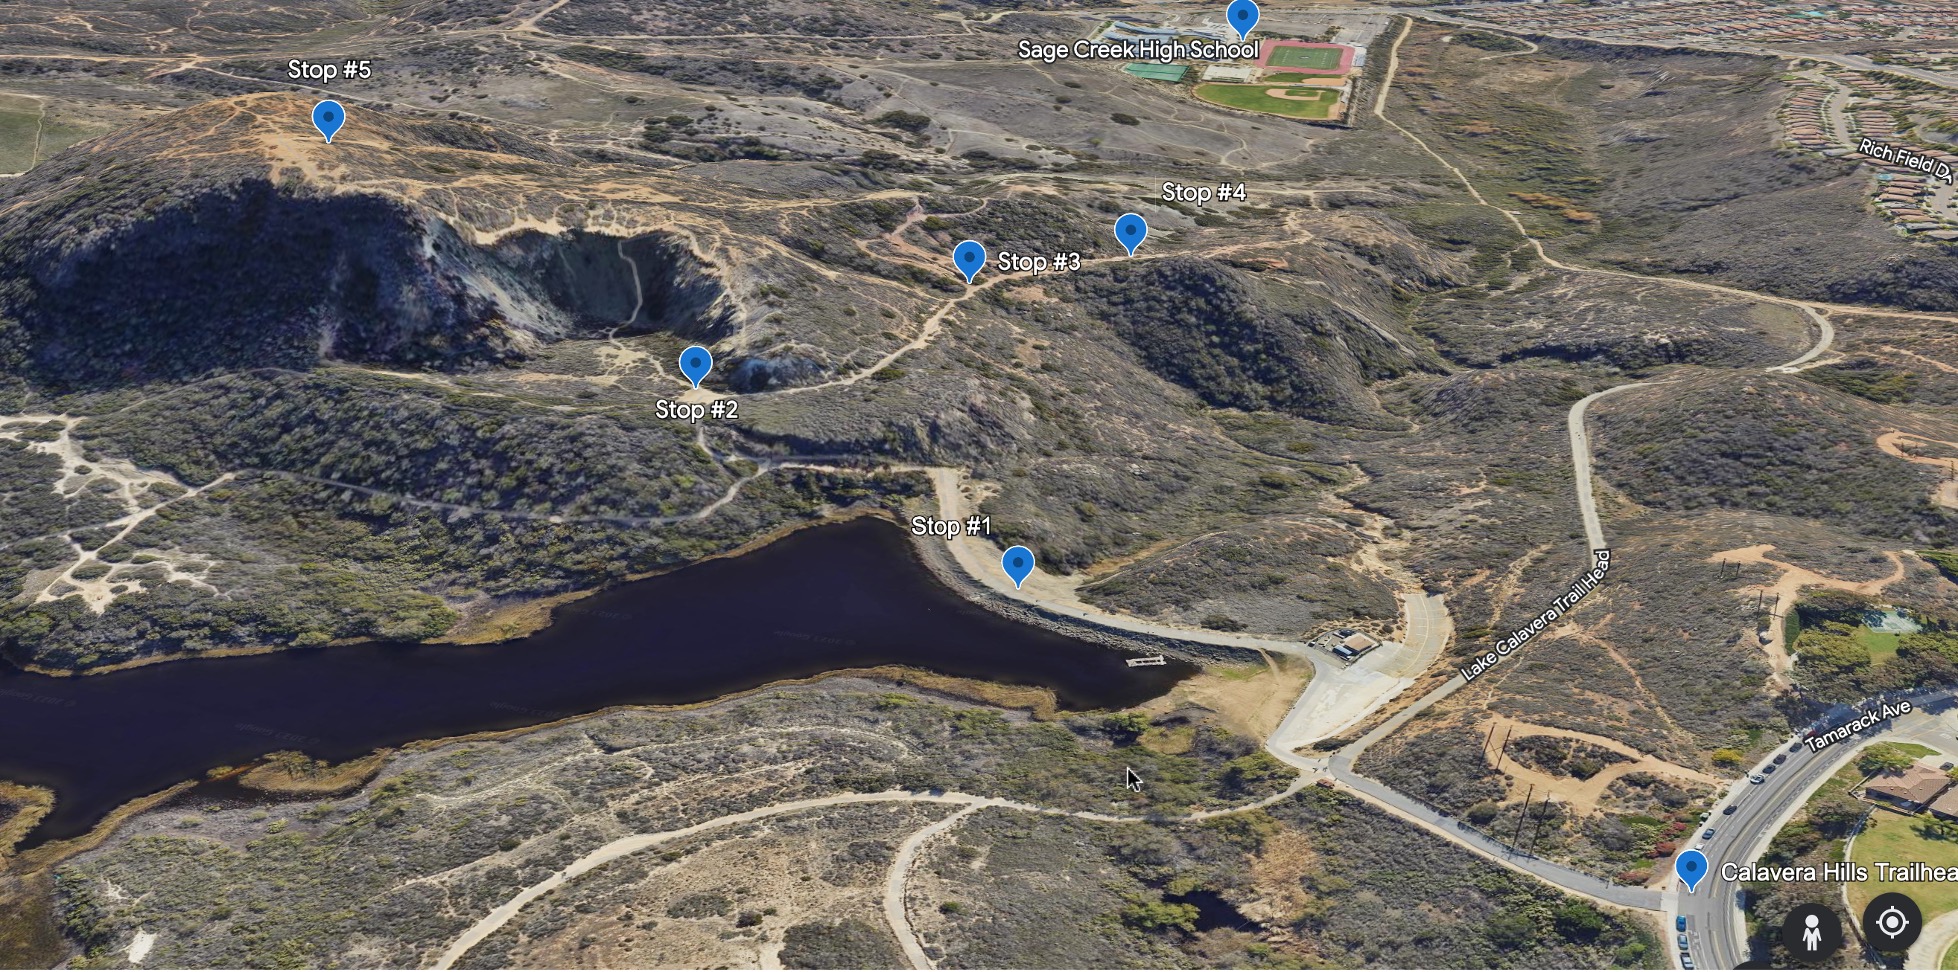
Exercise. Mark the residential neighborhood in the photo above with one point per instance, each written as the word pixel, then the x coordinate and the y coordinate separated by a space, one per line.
pixel 1750 20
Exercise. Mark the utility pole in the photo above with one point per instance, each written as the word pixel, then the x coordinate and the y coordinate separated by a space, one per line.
pixel 1537 830
pixel 1503 750
pixel 1523 817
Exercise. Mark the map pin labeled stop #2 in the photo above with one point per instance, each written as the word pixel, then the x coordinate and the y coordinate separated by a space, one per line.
pixel 969 257
pixel 1130 231
pixel 1243 15
pixel 695 363
pixel 328 116
pixel 1018 562
pixel 1691 866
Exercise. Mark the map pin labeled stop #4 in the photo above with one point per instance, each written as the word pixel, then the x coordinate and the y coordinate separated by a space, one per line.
pixel 1243 15
pixel 1130 231
pixel 695 363
pixel 969 257
pixel 1018 562
pixel 1691 866
pixel 328 116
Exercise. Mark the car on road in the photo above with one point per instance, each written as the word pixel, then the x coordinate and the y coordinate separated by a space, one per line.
pixel 1757 778
pixel 1708 835
pixel 1682 942
pixel 1680 923
pixel 1730 809
pixel 1781 758
pixel 1685 961
pixel 1767 769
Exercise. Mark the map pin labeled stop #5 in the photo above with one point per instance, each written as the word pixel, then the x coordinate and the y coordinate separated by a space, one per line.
pixel 328 116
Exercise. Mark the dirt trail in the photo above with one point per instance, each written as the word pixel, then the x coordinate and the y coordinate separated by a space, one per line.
pixel 1899 444
pixel 139 492
pixel 900 875
pixel 626 846
pixel 1789 586
pixel 1584 795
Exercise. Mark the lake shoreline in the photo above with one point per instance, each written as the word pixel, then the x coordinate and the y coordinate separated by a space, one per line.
pixel 830 598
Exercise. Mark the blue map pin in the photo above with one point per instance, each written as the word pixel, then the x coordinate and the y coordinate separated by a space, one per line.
pixel 1130 231
pixel 1018 562
pixel 695 363
pixel 1243 15
pixel 970 258
pixel 328 116
pixel 1691 866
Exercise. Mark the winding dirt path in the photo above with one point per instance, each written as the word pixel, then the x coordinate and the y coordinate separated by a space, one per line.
pixel 1587 794
pixel 1788 587
pixel 1899 444
pixel 627 846
pixel 900 875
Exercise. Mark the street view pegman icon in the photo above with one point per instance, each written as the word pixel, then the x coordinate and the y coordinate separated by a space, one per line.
pixel 1691 866
pixel 1243 15
pixel 695 363
pixel 328 116
pixel 1130 231
pixel 1811 933
pixel 1018 562
pixel 970 258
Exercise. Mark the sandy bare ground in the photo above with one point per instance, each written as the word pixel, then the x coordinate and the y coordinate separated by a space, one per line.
pixel 1249 700
pixel 1786 588
pixel 140 492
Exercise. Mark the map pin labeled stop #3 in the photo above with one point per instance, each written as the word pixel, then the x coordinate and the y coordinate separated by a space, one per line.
pixel 1243 15
pixel 328 116
pixel 695 363
pixel 969 257
pixel 1130 231
pixel 1018 562
pixel 1691 866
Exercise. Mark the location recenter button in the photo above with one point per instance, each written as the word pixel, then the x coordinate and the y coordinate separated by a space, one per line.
pixel 1892 922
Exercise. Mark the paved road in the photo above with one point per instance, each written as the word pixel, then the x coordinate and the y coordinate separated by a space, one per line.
pixel 1340 768
pixel 1580 457
pixel 1715 923
pixel 1341 696
pixel 1574 882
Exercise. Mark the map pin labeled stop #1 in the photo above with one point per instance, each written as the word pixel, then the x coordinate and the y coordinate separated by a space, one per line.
pixel 1018 562
pixel 1243 15
pixel 695 363
pixel 970 258
pixel 328 116
pixel 1130 231
pixel 1691 866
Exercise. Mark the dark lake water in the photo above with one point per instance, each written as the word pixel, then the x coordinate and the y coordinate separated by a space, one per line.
pixel 844 595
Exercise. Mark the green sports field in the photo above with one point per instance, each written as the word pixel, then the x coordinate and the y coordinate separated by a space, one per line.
pixel 20 124
pixel 1301 102
pixel 1315 58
